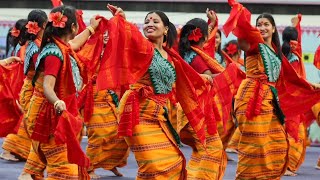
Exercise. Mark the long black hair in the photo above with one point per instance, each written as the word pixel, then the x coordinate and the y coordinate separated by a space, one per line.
pixel 21 26
pixel 219 47
pixel 9 41
pixel 51 31
pixel 172 32
pixel 38 16
pixel 289 33
pixel 275 35
pixel 184 43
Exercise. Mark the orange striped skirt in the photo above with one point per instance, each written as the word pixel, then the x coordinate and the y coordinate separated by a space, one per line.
pixel 105 149
pixel 155 149
pixel 297 150
pixel 263 146
pixel 206 164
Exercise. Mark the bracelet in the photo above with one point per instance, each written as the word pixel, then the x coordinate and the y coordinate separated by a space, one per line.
pixel 210 29
pixel 56 103
pixel 91 30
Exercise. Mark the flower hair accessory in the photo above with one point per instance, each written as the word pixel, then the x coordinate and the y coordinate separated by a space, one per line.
pixel 58 19
pixel 195 35
pixel 33 28
pixel 232 49
pixel 15 32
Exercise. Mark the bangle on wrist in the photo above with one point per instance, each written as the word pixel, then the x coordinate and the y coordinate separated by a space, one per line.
pixel 91 30
pixel 56 103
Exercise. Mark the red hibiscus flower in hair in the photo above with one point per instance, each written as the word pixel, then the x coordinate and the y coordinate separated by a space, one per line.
pixel 232 49
pixel 33 28
pixel 195 35
pixel 58 19
pixel 15 32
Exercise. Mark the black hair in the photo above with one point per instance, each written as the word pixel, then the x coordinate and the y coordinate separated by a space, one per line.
pixel 289 33
pixel 184 43
pixel 172 32
pixel 275 35
pixel 235 42
pixel 38 16
pixel 219 47
pixel 9 41
pixel 51 31
pixel 21 26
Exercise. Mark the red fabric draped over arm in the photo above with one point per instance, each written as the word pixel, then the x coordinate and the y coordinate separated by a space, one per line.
pixel 239 24
pixel 296 95
pixel 127 56
pixel 11 80
pixel 191 93
pixel 210 46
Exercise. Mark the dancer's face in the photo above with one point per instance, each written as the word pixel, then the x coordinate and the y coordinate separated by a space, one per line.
pixel 153 27
pixel 266 28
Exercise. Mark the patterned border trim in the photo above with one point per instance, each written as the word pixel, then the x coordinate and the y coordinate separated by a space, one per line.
pixel 271 62
pixel 31 50
pixel 49 49
pixel 189 56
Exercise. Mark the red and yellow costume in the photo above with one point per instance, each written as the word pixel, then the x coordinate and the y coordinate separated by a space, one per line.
pixel 207 162
pixel 297 131
pixel 142 110
pixel 54 137
pixel 263 148
pixel 105 149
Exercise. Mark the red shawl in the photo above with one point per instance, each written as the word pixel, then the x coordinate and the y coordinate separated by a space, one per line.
pixel 127 55
pixel 226 86
pixel 11 80
pixel 90 55
pixel 127 58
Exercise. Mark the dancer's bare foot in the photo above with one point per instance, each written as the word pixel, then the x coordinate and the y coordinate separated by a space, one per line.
pixel 229 158
pixel 6 155
pixel 289 173
pixel 116 172
pixel 93 175
pixel 317 167
pixel 25 176
pixel 229 150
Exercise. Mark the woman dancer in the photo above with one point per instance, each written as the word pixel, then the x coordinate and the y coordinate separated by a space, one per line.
pixel 206 163
pixel 291 48
pixel 58 80
pixel 151 69
pixel 262 147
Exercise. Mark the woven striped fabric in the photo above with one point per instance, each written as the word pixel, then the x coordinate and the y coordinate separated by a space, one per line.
pixel 297 149
pixel 207 162
pixel 155 148
pixel 105 149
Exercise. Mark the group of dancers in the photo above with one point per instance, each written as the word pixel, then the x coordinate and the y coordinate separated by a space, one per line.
pixel 152 92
